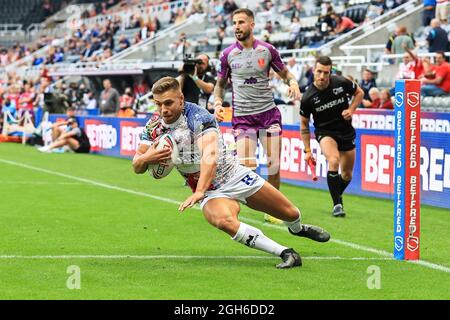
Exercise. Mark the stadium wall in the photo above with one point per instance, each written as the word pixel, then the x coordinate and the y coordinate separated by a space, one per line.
pixel 373 174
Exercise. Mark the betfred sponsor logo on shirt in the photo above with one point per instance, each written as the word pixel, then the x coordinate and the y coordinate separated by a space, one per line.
pixel 130 132
pixel 102 136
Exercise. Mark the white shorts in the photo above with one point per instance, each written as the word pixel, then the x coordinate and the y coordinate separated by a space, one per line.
pixel 243 184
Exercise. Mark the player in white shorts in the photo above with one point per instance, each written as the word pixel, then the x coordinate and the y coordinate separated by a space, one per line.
pixel 217 179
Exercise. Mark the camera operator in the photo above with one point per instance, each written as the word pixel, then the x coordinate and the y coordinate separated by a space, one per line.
pixel 195 80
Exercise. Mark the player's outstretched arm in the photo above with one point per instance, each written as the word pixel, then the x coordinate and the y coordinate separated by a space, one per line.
pixel 146 155
pixel 208 146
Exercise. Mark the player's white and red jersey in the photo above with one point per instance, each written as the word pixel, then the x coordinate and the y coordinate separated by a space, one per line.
pixel 192 124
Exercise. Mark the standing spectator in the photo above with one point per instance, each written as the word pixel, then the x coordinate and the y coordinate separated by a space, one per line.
pixel 437 38
pixel 89 101
pixel 294 33
pixel 442 11
pixel 4 58
pixel 228 7
pixel 220 36
pixel 400 40
pixel 392 37
pixel 367 83
pixel 298 11
pixel 440 85
pixel 429 12
pixel 109 99
pixel 26 99
pixel 294 68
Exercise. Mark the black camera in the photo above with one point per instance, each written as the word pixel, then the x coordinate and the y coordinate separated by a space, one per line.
pixel 189 65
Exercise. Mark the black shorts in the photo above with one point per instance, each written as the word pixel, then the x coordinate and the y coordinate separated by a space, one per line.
pixel 345 142
pixel 84 148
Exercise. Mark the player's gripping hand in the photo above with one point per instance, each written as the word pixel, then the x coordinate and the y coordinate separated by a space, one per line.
pixel 154 156
pixel 309 156
pixel 294 91
pixel 193 199
pixel 219 111
pixel 347 114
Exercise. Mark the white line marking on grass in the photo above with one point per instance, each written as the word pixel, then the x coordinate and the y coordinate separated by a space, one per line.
pixel 168 257
pixel 40 183
pixel 108 186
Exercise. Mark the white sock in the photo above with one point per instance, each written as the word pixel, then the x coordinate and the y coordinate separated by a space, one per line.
pixel 296 225
pixel 255 238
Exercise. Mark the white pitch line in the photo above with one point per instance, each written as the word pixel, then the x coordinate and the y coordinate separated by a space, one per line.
pixel 423 263
pixel 39 183
pixel 156 257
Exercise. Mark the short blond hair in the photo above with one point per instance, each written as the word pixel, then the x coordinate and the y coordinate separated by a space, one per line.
pixel 165 84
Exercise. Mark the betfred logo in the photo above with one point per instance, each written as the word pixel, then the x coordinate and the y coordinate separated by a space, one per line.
pixel 130 132
pixel 377 163
pixel 413 99
pixel 102 136
pixel 399 99
pixel 412 243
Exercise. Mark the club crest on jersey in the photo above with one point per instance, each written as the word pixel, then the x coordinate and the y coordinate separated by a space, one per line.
pixel 338 90
pixel 261 62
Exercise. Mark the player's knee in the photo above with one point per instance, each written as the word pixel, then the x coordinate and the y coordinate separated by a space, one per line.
pixel 347 176
pixel 292 213
pixel 227 224
pixel 333 162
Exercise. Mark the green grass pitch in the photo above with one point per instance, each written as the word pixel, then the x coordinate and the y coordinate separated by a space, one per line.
pixel 124 235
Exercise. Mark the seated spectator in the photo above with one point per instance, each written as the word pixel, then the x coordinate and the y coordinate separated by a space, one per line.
pixel 126 105
pixel 343 24
pixel 440 85
pixel 374 101
pixel 385 100
pixel 367 82
pixel 123 43
pixel 72 137
pixel 437 37
pixel 406 69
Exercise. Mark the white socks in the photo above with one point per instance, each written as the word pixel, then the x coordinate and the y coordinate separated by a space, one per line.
pixel 295 225
pixel 254 238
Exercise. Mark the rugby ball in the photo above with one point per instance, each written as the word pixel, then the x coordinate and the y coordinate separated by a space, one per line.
pixel 161 170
